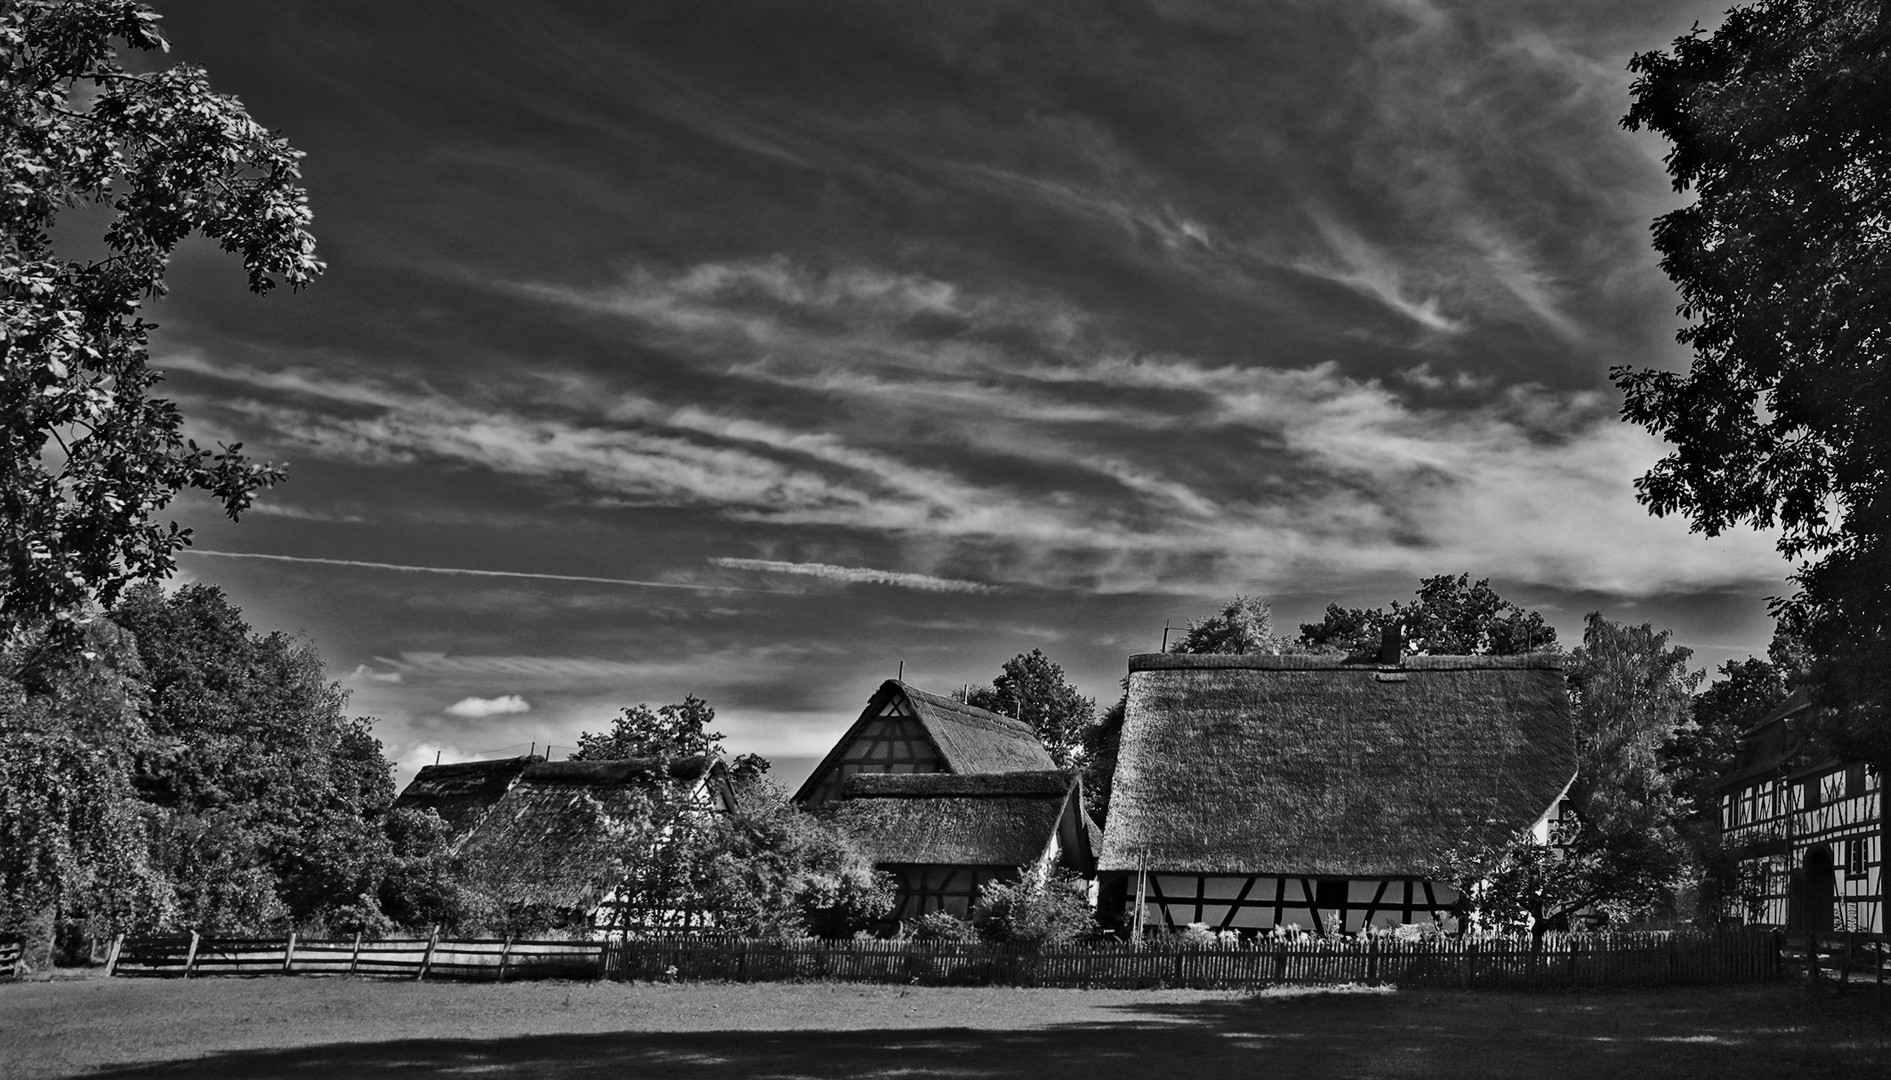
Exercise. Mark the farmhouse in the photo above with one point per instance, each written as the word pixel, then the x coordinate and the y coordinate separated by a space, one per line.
pixel 1805 828
pixel 562 842
pixel 1258 791
pixel 904 729
pixel 460 793
pixel 944 837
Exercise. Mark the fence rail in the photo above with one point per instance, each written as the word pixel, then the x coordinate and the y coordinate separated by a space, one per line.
pixel 1618 961
pixel 12 957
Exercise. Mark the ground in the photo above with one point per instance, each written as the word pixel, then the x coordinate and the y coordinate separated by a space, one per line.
pixel 281 1027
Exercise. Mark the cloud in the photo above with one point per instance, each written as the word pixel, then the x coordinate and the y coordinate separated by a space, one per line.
pixel 495 706
pixel 1039 446
pixel 459 571
pixel 365 674
pixel 855 575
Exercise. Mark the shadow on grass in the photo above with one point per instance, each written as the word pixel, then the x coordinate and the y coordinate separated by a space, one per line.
pixel 1293 1035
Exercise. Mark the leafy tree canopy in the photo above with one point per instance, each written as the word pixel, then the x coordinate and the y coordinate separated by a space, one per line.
pixel 87 455
pixel 1451 617
pixel 1245 625
pixel 1780 125
pixel 1032 688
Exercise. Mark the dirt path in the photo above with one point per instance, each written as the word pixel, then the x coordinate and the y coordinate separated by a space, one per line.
pixel 277 1027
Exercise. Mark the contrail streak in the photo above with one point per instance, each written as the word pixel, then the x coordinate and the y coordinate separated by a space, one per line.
pixel 463 572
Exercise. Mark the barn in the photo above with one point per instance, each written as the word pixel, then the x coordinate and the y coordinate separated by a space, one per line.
pixel 565 839
pixel 904 729
pixel 1258 791
pixel 1806 830
pixel 944 837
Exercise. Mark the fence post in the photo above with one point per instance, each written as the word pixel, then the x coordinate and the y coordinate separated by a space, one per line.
pixel 604 958
pixel 190 957
pixel 505 953
pixel 355 957
pixel 1674 960
pixel 288 953
pixel 1470 965
pixel 426 961
pixel 742 961
pixel 1372 961
pixel 111 958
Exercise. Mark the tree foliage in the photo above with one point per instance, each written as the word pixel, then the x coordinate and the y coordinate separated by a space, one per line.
pixel 1780 125
pixel 1451 617
pixel 772 869
pixel 271 797
pixel 72 831
pixel 1032 688
pixel 1244 625
pixel 87 455
pixel 1631 692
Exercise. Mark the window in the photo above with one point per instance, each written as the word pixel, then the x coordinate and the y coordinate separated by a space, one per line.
pixel 1855 858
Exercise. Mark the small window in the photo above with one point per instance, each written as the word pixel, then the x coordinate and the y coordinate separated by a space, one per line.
pixel 1330 893
pixel 1854 858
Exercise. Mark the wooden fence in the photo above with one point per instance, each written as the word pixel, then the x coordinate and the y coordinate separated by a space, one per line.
pixel 12 957
pixel 1616 961
pixel 1842 960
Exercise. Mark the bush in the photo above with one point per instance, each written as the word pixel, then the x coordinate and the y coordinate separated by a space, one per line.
pixel 1032 912
pixel 942 926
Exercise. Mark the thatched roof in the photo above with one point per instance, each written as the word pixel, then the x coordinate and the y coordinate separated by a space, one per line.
pixel 1317 765
pixel 969 739
pixel 560 836
pixel 460 793
pixel 1005 819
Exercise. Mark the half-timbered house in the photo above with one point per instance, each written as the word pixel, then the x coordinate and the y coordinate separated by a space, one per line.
pixel 1805 829
pixel 1254 791
pixel 944 837
pixel 904 729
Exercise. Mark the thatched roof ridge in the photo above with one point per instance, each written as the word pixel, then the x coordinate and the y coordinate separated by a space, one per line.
pixel 975 740
pixel 940 819
pixel 621 770
pixel 1266 764
pixel 950 785
pixel 1332 662
pixel 461 792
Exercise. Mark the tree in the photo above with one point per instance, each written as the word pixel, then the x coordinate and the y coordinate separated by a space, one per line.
pixel 1245 625
pixel 679 730
pixel 1032 688
pixel 87 455
pixel 771 869
pixel 1631 692
pixel 1102 741
pixel 1514 884
pixel 1451 617
pixel 270 797
pixel 72 831
pixel 1779 123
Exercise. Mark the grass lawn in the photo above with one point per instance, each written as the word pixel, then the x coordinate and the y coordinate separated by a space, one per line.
pixel 309 1028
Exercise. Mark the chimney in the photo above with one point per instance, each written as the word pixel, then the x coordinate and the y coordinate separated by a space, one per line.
pixel 1391 643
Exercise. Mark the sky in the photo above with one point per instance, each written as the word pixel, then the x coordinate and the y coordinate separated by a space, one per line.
pixel 763 350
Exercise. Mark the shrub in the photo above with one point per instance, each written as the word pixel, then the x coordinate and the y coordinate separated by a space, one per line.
pixel 1033 912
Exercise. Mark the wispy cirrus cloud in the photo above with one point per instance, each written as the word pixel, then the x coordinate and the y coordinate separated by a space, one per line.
pixel 854 575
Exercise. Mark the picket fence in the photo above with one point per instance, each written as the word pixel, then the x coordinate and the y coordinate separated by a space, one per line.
pixel 1564 962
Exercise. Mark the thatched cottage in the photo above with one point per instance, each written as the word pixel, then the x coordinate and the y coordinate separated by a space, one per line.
pixel 904 729
pixel 944 837
pixel 1259 791
pixel 564 838
pixel 1806 828
pixel 460 793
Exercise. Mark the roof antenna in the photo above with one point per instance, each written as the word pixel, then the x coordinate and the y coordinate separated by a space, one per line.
pixel 436 757
pixel 1165 635
pixel 902 674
